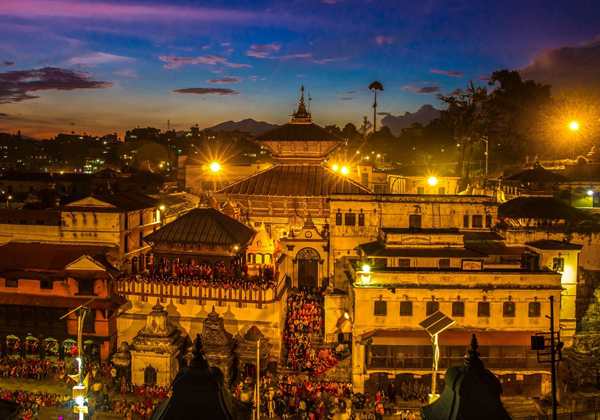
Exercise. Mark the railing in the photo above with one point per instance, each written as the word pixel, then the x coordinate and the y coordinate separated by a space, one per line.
pixel 202 294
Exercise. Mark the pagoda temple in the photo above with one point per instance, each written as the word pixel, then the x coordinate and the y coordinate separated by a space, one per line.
pixel 283 195
pixel 219 345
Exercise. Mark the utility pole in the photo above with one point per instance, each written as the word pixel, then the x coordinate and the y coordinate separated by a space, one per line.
pixel 258 379
pixel 543 341
pixel 487 152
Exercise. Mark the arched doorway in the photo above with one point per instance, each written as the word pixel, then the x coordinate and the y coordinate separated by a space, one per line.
pixel 308 267
pixel 150 375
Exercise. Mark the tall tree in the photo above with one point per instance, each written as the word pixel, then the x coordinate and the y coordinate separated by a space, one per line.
pixel 374 87
pixel 465 113
pixel 515 115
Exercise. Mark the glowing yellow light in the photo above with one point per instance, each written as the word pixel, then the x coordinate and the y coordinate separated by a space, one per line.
pixel 215 167
pixel 346 315
pixel 236 247
pixel 335 167
pixel 358 152
pixel 162 207
pixel 432 181
pixel 574 126
pixel 366 268
pixel 345 170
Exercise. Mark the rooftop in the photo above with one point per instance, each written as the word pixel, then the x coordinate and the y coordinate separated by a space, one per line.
pixel 545 208
pixel 203 226
pixel 554 245
pixel 295 181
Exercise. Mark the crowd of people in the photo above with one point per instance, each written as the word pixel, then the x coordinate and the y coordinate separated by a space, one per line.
pixel 31 402
pixel 191 274
pixel 305 319
pixel 21 368
pixel 414 392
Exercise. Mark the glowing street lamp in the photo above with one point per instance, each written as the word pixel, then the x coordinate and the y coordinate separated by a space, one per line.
pixel 345 170
pixel 432 181
pixel 215 167
pixel 574 126
pixel 366 274
pixel 335 167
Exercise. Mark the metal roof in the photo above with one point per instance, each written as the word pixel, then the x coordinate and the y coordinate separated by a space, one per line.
pixel 538 174
pixel 554 245
pixel 298 132
pixel 295 181
pixel 377 249
pixel 47 257
pixel 545 208
pixel 204 226
pixel 129 201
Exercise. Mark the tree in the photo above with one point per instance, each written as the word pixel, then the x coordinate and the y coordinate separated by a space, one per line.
pixel 515 115
pixel 334 129
pixel 374 87
pixel 350 132
pixel 466 116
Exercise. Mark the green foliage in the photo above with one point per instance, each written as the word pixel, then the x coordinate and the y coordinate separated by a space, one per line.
pixel 590 323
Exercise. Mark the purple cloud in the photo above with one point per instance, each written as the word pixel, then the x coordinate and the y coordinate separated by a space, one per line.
pixel 15 86
pixel 447 73
pixel 384 40
pixel 95 58
pixel 344 99
pixel 43 63
pixel 566 66
pixel 349 93
pixel 262 50
pixel 224 80
pixel 413 87
pixel 209 59
pixel 286 57
pixel 7 63
pixel 128 73
pixel 217 71
pixel 208 91
pixel 329 60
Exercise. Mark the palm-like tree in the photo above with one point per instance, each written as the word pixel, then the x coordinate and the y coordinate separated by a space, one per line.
pixel 375 86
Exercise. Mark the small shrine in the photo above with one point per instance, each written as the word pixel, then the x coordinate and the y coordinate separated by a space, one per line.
pixel 155 350
pixel 246 351
pixel 219 344
pixel 260 252
pixel 122 361
pixel 200 391
pixel 472 393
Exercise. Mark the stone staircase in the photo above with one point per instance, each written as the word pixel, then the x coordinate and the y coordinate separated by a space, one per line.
pixel 341 372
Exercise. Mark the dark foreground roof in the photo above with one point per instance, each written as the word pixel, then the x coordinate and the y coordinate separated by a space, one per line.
pixel 545 208
pixel 378 249
pixel 204 226
pixel 554 245
pixel 295 181
pixel 298 132
pixel 9 410
pixel 538 174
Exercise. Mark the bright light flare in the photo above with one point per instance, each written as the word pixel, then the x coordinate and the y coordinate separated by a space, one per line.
pixel 574 126
pixel 335 167
pixel 215 167
pixel 432 181
pixel 345 170
pixel 366 268
pixel 590 192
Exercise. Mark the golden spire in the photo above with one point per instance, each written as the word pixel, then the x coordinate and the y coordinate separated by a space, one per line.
pixel 302 116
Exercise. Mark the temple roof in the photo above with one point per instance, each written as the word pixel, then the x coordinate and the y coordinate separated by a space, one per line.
pixel 295 181
pixel 472 392
pixel 546 208
pixel 203 225
pixel 538 173
pixel 298 132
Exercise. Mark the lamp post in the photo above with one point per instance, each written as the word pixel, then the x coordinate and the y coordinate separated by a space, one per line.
pixel 79 390
pixel 574 126
pixel 487 152
pixel 434 325
pixel 8 201
pixel 215 168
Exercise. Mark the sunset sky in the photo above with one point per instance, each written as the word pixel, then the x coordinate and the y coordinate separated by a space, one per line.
pixel 99 67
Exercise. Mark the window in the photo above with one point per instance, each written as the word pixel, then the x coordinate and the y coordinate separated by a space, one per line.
pixel 483 309
pixel 361 219
pixel 477 221
pixel 404 262
pixel 442 190
pixel 458 308
pixel 558 264
pixel 86 286
pixel 406 308
pixel 46 284
pixel 350 219
pixel 338 219
pixel 466 221
pixel 509 309
pixel 535 309
pixel 380 308
pixel 432 307
pixel 414 221
pixel 12 283
pixel 421 190
pixel 444 263
pixel 488 220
